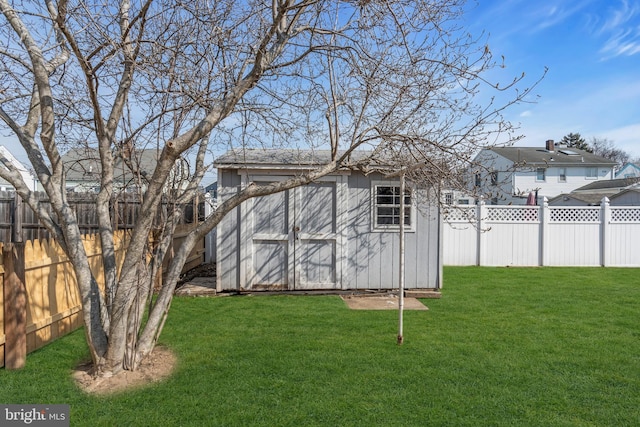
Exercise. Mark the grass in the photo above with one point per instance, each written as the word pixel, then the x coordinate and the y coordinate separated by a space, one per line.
pixel 503 347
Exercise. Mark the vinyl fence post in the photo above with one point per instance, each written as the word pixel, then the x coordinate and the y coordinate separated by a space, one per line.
pixel 480 212
pixel 15 306
pixel 545 216
pixel 605 219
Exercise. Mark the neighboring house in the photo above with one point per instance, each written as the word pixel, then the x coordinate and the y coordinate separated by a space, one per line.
pixel 507 175
pixel 339 232
pixel 29 177
pixel 607 187
pixel 83 170
pixel 456 198
pixel 627 197
pixel 82 166
pixel 629 170
pixel 592 193
pixel 577 199
pixel 212 189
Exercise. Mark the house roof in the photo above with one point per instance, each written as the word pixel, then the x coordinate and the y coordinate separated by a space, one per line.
pixel 560 156
pixel 83 164
pixel 626 166
pixel 266 158
pixel 609 184
pixel 625 191
pixel 592 199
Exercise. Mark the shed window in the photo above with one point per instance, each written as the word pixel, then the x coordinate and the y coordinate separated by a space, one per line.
pixel 386 207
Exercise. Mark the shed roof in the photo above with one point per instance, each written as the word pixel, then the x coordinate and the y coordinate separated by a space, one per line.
pixel 609 184
pixel 625 191
pixel 560 156
pixel 592 199
pixel 279 158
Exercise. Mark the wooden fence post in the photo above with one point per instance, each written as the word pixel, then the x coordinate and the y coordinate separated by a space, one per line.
pixel 17 219
pixel 15 307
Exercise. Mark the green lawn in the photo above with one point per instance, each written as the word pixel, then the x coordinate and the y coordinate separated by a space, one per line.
pixel 504 346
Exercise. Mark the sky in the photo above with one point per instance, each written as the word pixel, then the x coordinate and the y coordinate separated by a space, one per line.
pixel 592 51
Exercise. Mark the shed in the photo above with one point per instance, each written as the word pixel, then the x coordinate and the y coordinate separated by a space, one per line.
pixel 340 232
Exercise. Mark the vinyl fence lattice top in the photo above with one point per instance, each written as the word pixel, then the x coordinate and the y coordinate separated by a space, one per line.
pixel 460 214
pixel 631 214
pixel 576 214
pixel 512 214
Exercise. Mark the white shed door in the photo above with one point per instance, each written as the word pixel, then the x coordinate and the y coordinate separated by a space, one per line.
pixel 293 239
pixel 315 236
pixel 269 242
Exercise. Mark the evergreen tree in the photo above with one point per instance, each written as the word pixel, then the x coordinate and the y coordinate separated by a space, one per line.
pixel 575 140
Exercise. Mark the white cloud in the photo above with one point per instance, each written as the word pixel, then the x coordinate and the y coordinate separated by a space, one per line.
pixel 619 17
pixel 556 14
pixel 621 29
pixel 625 42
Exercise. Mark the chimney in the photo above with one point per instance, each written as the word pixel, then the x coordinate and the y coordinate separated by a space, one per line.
pixel 550 145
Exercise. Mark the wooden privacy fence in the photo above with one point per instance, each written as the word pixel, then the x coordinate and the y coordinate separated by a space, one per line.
pixel 16 216
pixel 542 235
pixel 39 299
pixel 40 295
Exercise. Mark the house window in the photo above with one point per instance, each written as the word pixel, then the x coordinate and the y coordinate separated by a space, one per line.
pixel 540 174
pixel 592 173
pixel 448 198
pixel 494 178
pixel 386 207
pixel 463 201
pixel 562 175
pixel 478 180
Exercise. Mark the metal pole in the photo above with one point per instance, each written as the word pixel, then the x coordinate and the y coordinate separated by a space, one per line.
pixel 401 265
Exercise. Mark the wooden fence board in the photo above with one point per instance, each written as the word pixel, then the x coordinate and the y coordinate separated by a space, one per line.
pixel 16 307
pixel 2 336
pixel 53 306
pixel 53 302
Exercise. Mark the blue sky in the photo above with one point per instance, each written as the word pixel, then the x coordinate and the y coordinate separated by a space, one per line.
pixel 592 51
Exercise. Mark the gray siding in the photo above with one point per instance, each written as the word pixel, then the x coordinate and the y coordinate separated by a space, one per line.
pixel 367 260
pixel 228 235
pixel 374 255
pixel 629 198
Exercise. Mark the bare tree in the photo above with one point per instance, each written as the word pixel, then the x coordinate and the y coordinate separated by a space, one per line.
pixel 606 148
pixel 398 79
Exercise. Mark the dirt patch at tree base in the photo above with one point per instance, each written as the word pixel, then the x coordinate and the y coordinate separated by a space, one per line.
pixel 156 367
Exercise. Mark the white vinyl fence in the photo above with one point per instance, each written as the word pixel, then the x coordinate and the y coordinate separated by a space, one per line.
pixel 542 235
